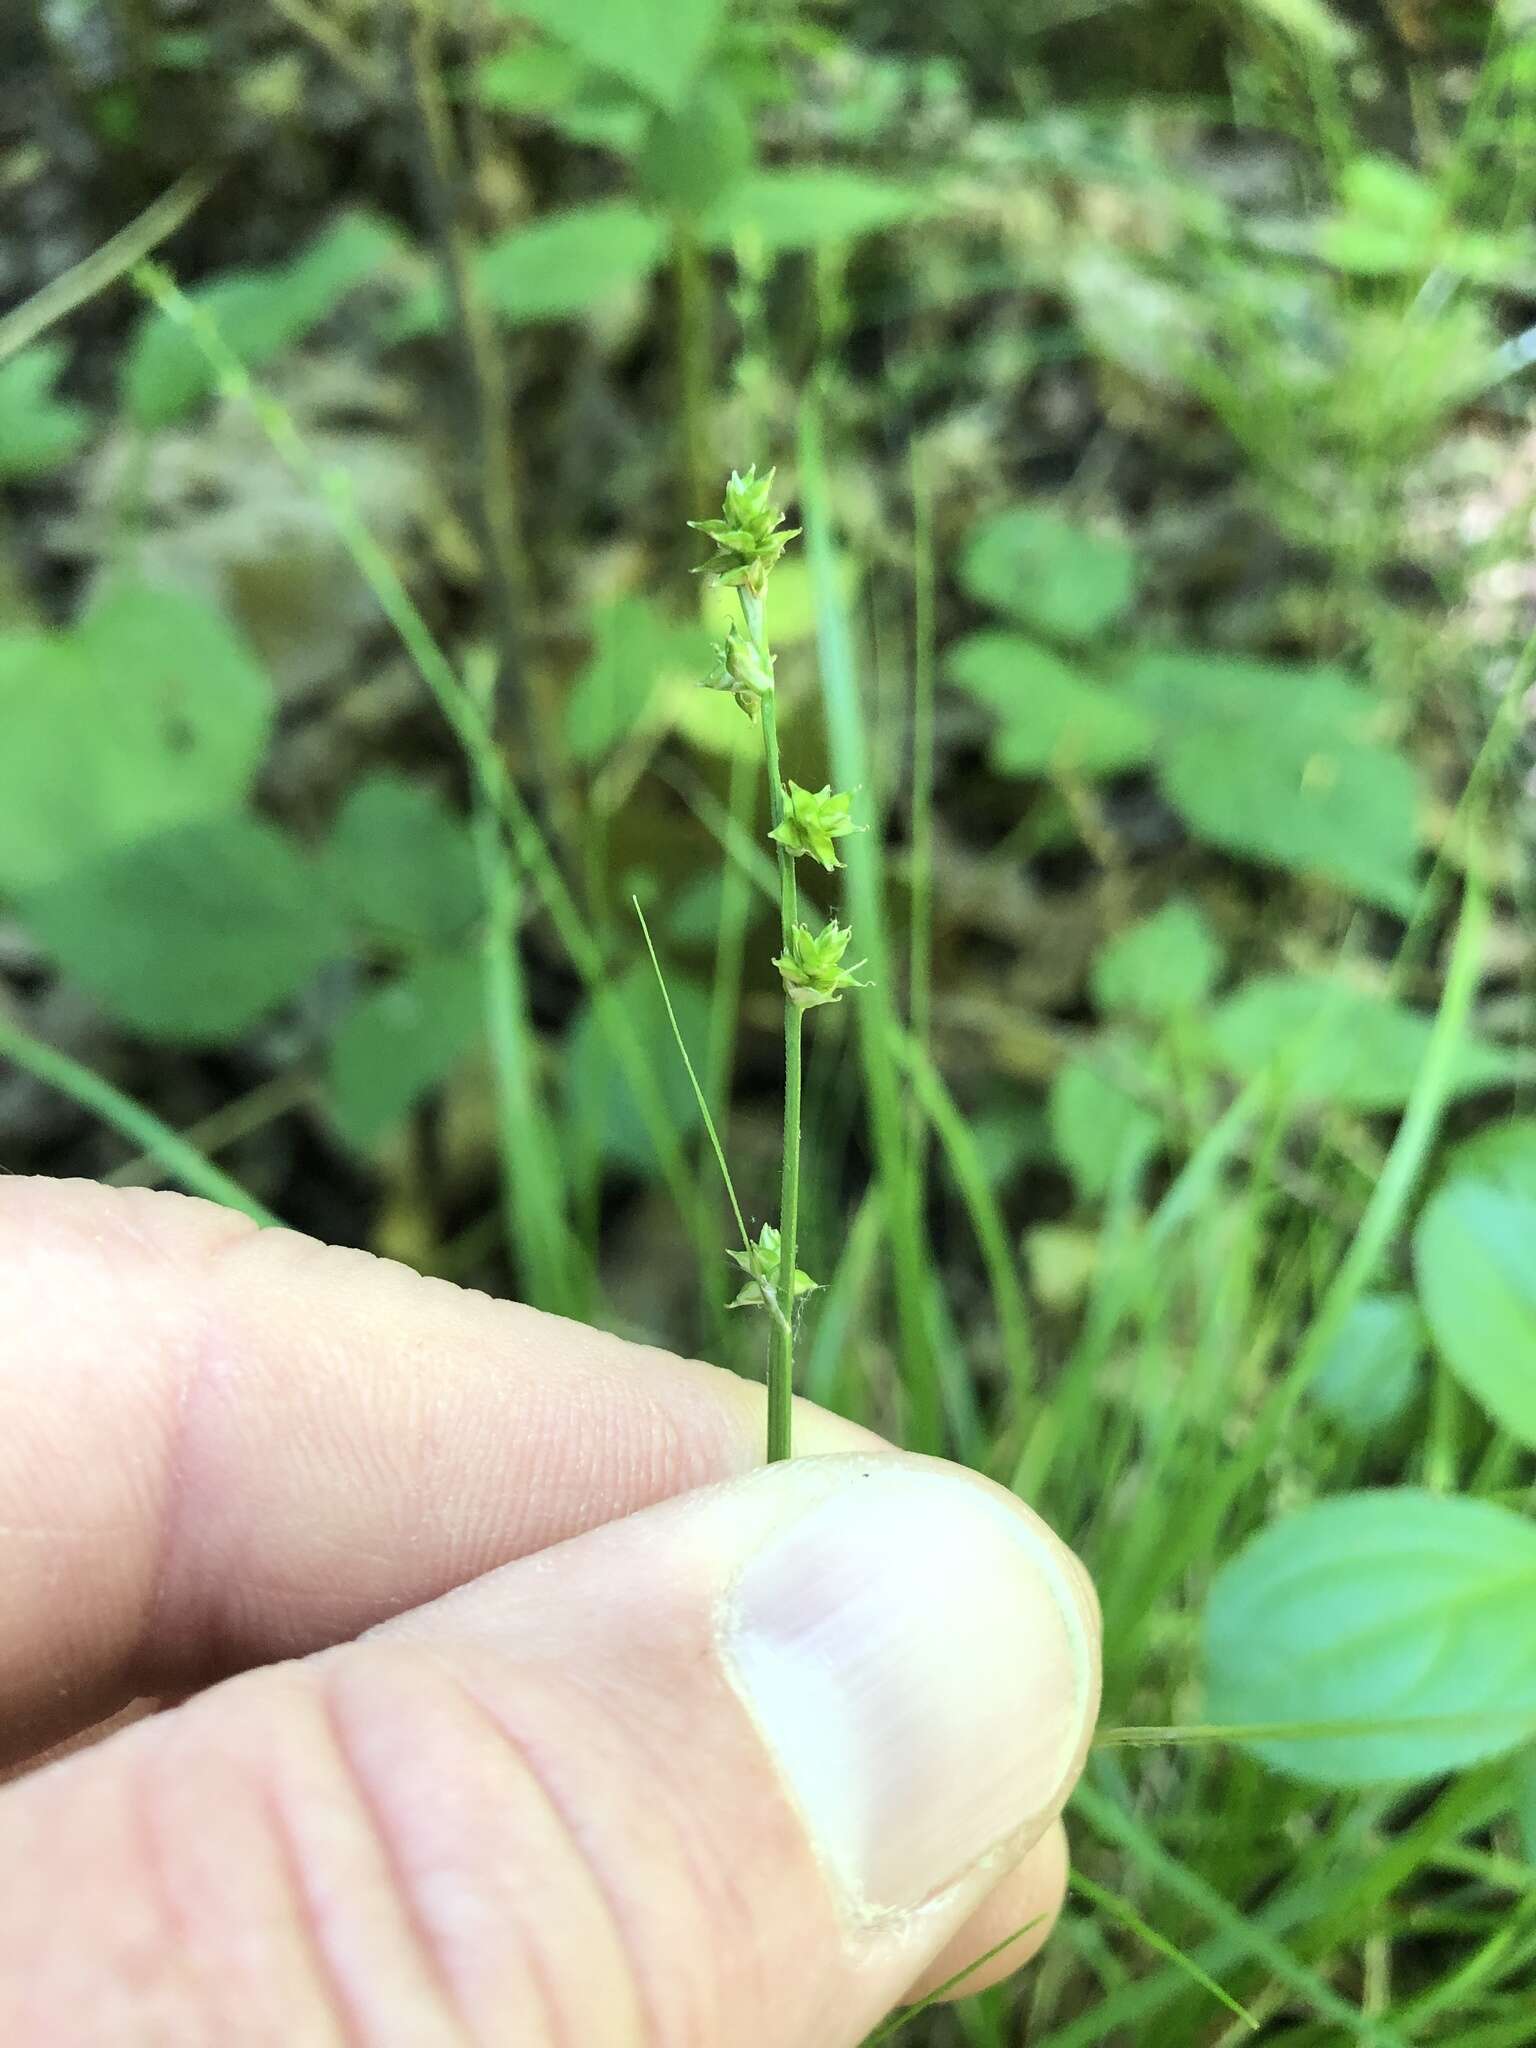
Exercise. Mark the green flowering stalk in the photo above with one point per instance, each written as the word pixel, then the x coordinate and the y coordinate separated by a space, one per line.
pixel 749 538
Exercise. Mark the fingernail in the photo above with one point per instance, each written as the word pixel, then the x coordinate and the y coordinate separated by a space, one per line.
pixel 918 1663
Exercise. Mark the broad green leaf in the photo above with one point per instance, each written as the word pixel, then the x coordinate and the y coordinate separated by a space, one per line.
pixel 258 312
pixel 1052 720
pixel 811 209
pixel 655 45
pixel 1163 967
pixel 39 431
pixel 691 160
pixel 1475 1258
pixel 1282 764
pixel 1098 1128
pixel 193 935
pixel 639 651
pixel 152 714
pixel 1503 1153
pixel 402 864
pixel 1323 1041
pixel 600 1104
pixel 1369 1373
pixel 399 1041
pixel 1389 1607
pixel 1065 580
pixel 554 268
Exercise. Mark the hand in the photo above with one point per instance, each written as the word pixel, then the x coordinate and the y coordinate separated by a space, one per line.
pixel 556 1720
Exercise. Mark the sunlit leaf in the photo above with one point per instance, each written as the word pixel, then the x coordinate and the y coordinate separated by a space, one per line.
pixel 1475 1258
pixel 1388 1606
pixel 1284 765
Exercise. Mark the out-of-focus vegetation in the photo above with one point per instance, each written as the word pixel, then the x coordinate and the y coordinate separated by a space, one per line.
pixel 1152 383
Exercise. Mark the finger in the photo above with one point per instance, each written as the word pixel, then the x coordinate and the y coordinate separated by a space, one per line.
pixel 733 1769
pixel 1020 1910
pixel 219 1446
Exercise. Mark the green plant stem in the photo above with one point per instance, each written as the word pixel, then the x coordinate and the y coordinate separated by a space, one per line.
pixel 920 882
pixel 730 946
pixel 781 1365
pixel 181 1161
pixel 535 1198
pixel 103 266
pixel 933 1380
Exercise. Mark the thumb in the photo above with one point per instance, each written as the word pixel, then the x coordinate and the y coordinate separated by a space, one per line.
pixel 734 1768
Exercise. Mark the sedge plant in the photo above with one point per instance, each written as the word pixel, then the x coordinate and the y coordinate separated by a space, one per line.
pixel 749 538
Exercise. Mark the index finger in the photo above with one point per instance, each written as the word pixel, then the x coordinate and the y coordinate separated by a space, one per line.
pixel 220 1446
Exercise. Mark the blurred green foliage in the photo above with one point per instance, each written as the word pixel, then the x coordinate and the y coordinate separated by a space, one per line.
pixel 1169 593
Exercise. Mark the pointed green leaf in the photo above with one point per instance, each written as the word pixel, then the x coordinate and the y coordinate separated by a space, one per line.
pixel 655 45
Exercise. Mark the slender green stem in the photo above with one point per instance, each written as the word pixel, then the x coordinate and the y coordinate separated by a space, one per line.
pixel 103 266
pixel 920 916
pixel 936 1378
pixel 730 946
pixel 181 1161
pixel 781 1366
pixel 781 1377
pixel 710 1130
